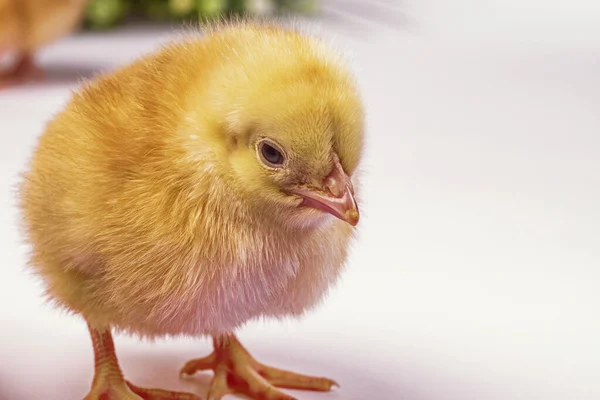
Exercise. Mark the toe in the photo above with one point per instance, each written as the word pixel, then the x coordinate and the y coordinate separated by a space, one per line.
pixel 219 386
pixel 291 380
pixel 159 394
pixel 106 390
pixel 198 364
pixel 260 389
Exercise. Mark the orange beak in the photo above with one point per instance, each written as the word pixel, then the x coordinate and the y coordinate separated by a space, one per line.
pixel 336 197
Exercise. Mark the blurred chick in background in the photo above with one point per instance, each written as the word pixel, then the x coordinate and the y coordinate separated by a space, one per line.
pixel 199 188
pixel 26 26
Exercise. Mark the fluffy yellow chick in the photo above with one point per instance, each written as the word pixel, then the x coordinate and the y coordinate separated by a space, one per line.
pixel 27 25
pixel 201 187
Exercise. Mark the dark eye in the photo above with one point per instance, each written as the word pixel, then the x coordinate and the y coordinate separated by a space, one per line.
pixel 270 154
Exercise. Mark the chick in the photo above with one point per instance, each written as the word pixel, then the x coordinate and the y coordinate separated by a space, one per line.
pixel 201 187
pixel 27 25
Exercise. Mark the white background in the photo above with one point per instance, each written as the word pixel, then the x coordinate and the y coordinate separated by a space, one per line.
pixel 477 270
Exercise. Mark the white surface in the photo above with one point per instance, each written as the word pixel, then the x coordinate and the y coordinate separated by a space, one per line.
pixel 476 274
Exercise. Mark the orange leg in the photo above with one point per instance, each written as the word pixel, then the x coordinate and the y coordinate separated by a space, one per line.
pixel 109 383
pixel 23 71
pixel 237 372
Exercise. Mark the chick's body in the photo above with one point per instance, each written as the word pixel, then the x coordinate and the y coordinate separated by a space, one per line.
pixel 144 203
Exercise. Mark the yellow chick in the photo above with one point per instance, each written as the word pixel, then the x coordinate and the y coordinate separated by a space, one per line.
pixel 201 187
pixel 28 25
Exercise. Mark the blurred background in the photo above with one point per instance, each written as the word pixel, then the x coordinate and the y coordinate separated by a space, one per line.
pixel 104 14
pixel 476 272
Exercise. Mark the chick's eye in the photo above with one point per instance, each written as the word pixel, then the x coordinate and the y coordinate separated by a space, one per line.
pixel 271 155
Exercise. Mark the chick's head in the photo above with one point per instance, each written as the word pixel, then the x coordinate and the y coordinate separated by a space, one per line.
pixel 295 143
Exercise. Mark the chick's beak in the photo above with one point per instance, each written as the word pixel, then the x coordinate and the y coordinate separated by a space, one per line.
pixel 336 197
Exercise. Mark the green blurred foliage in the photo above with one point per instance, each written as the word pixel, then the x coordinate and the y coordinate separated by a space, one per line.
pixel 105 14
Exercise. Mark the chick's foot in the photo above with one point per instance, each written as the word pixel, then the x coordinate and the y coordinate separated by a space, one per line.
pixel 109 383
pixel 236 371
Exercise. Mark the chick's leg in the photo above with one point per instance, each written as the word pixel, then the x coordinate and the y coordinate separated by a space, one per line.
pixel 27 68
pixel 236 371
pixel 24 70
pixel 109 383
